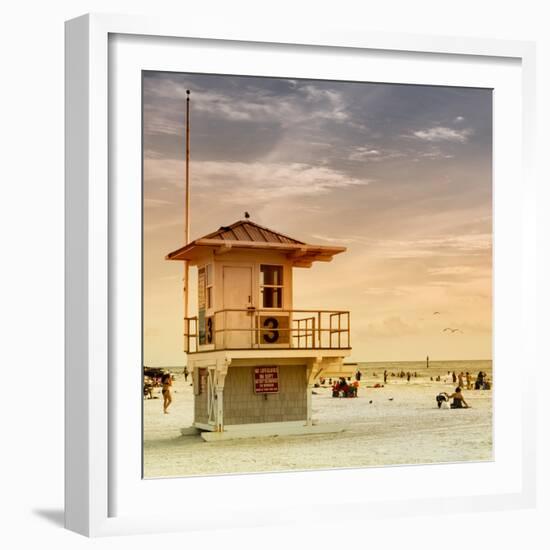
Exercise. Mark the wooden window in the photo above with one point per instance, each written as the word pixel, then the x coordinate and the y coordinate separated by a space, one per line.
pixel 206 301
pixel 271 286
pixel 206 287
pixel 202 305
pixel 209 287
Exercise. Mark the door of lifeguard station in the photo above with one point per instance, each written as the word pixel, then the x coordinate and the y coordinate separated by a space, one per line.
pixel 237 295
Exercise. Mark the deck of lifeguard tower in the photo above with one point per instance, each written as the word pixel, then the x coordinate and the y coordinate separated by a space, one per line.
pixel 243 328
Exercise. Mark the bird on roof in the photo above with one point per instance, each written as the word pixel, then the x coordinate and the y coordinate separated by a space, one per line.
pixel 247 215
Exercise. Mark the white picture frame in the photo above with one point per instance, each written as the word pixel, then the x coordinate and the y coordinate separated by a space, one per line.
pixel 99 499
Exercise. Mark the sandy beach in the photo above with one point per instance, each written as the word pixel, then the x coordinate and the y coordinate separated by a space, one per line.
pixel 397 424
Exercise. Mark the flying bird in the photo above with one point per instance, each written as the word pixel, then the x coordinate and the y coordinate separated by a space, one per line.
pixel 436 313
pixel 453 330
pixel 247 215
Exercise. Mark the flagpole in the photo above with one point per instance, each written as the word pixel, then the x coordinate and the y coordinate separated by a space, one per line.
pixel 187 219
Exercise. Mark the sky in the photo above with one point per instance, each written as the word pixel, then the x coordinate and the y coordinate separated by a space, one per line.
pixel 399 174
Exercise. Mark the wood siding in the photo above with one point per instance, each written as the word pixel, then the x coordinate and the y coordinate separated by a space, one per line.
pixel 243 406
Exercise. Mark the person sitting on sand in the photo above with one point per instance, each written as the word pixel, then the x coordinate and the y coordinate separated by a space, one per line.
pixel 458 399
pixel 148 389
pixel 166 393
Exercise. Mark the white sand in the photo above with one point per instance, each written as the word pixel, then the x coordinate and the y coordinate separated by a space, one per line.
pixel 409 429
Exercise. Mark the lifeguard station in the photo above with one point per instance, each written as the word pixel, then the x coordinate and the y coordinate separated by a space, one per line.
pixel 253 356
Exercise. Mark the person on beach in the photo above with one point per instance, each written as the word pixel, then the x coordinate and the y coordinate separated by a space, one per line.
pixel 461 380
pixel 385 376
pixel 468 381
pixel 454 377
pixel 166 393
pixel 479 381
pixel 458 399
pixel 358 375
pixel 148 389
pixel 408 376
pixel 185 372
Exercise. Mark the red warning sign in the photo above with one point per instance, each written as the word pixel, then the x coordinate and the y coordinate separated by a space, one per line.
pixel 266 379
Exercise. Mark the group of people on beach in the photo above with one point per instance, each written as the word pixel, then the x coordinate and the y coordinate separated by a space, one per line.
pixel 465 381
pixel 401 374
pixel 456 399
pixel 341 388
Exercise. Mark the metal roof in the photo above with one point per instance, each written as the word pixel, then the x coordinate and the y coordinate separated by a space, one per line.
pixel 245 230
pixel 245 234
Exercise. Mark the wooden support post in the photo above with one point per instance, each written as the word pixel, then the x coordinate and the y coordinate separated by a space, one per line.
pixel 222 366
pixel 219 408
pixel 311 368
pixel 309 419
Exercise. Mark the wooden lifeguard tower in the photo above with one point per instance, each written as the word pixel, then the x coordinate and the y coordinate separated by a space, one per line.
pixel 253 357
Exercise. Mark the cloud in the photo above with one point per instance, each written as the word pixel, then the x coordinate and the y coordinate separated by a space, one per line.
pixel 333 240
pixel 389 291
pixel 391 327
pixel 256 181
pixel 450 270
pixel 455 245
pixel 164 97
pixel 442 133
pixel 433 154
pixel 364 153
pixel 155 203
pixel 374 155
pixel 329 104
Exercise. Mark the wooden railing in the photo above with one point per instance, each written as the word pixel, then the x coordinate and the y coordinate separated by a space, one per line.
pixel 268 328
